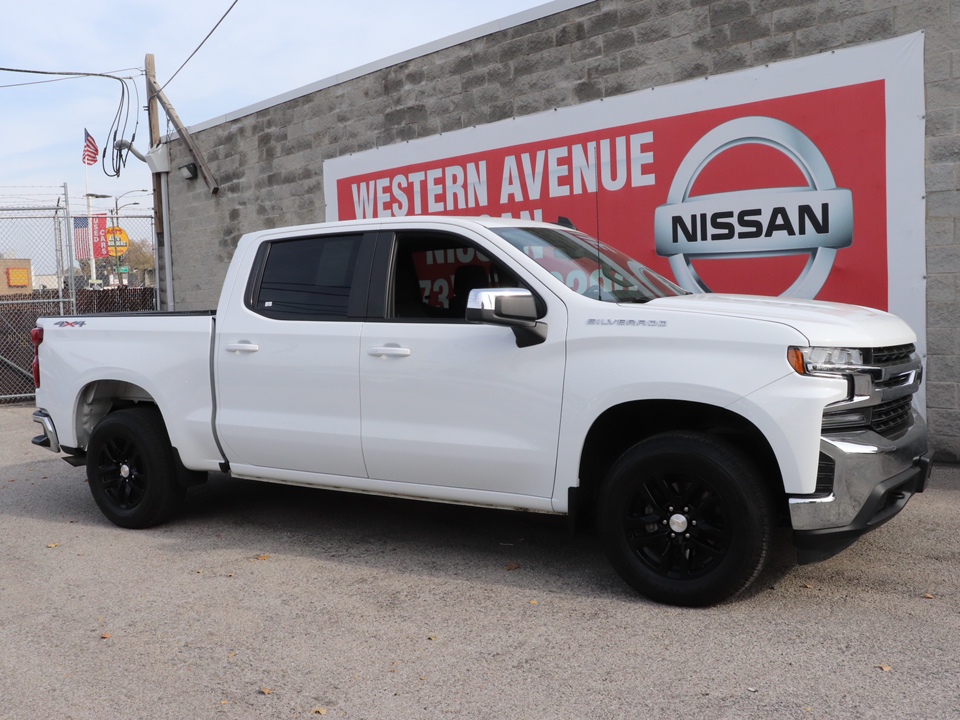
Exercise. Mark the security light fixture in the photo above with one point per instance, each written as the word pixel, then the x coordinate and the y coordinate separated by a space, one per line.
pixel 189 171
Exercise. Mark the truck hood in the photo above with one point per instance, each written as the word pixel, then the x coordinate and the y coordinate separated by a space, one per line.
pixel 823 323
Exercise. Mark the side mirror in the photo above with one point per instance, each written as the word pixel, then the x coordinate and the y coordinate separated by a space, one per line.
pixel 515 308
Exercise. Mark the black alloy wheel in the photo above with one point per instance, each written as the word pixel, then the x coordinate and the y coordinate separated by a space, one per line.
pixel 131 470
pixel 679 524
pixel 685 519
pixel 118 467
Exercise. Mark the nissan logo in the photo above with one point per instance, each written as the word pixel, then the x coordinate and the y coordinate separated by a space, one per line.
pixel 816 220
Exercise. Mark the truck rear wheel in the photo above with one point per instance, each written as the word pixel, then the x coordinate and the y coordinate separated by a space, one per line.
pixel 685 519
pixel 131 469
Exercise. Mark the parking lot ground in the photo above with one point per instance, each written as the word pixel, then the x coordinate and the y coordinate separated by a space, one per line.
pixel 267 601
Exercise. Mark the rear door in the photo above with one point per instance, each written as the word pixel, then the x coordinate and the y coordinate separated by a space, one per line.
pixel 450 403
pixel 287 360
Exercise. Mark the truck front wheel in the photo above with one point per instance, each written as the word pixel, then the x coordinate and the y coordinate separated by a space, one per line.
pixel 131 469
pixel 685 519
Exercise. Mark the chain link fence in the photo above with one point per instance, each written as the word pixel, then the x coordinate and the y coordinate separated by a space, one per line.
pixel 52 264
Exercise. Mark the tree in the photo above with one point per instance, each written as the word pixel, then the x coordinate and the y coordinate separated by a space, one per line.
pixel 139 255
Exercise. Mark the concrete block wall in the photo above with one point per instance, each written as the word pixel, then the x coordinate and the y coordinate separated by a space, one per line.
pixel 269 163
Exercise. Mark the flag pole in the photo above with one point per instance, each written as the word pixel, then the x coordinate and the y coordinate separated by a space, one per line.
pixel 93 264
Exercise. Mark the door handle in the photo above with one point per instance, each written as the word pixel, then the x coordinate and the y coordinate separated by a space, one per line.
pixel 244 347
pixel 388 351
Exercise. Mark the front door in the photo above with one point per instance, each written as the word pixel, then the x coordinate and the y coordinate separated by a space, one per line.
pixel 450 403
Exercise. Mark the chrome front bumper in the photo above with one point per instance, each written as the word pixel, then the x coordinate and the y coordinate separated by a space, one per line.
pixel 874 477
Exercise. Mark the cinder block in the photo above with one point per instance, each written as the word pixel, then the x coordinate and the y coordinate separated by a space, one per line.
pixel 833 10
pixel 712 39
pixel 601 67
pixel 687 68
pixel 653 31
pixel 918 14
pixel 641 79
pixel 942 289
pixel 943 422
pixel 570 33
pixel 943 368
pixel 618 40
pixel 943 204
pixel 942 396
pixel 772 49
pixel 940 177
pixel 765 6
pixel 943 341
pixel 689 21
pixel 732 58
pixel 940 231
pixel 665 8
pixel 601 23
pixel 634 14
pixel 794 18
pixel 751 28
pixel 818 38
pixel 941 122
pixel 724 12
pixel 586 49
pixel 872 26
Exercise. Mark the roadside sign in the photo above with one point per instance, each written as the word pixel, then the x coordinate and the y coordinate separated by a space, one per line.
pixel 123 269
pixel 117 241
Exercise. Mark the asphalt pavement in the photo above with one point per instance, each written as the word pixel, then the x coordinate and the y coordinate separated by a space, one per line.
pixel 268 601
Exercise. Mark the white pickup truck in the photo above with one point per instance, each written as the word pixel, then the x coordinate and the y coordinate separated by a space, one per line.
pixel 510 364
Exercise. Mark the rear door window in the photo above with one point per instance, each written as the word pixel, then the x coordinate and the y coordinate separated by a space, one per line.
pixel 307 278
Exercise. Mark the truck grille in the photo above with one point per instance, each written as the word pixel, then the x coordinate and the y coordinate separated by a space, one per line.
pixel 890 355
pixel 890 417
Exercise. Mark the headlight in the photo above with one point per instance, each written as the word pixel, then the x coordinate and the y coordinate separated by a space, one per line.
pixel 819 360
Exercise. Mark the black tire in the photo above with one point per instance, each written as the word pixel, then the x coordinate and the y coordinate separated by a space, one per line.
pixel 131 469
pixel 685 519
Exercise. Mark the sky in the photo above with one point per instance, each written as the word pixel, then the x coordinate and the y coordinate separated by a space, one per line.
pixel 259 51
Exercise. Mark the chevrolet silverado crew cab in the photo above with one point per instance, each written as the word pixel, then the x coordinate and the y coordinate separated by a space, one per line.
pixel 505 363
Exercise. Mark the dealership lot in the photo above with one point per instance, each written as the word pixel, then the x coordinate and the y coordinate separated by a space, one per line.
pixel 271 601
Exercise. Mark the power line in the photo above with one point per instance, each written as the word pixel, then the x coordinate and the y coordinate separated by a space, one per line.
pixel 73 76
pixel 120 120
pixel 198 46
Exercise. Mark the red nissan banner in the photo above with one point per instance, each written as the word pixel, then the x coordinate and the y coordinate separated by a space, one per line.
pixel 803 178
pixel 611 182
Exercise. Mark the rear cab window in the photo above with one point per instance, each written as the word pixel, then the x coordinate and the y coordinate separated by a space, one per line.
pixel 307 278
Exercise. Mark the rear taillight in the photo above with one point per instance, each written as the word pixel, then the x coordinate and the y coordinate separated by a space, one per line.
pixel 36 335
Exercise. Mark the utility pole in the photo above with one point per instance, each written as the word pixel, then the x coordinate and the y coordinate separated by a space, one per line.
pixel 154 125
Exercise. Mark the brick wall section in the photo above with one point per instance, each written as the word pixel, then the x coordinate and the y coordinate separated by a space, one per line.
pixel 269 164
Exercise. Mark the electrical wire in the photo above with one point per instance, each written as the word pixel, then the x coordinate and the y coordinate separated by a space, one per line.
pixel 60 79
pixel 121 119
pixel 198 47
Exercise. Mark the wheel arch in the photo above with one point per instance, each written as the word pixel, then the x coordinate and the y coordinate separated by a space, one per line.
pixel 622 426
pixel 99 397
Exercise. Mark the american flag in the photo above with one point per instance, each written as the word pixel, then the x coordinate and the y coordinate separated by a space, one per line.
pixel 81 238
pixel 90 149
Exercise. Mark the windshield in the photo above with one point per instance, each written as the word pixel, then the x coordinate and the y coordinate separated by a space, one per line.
pixel 589 267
